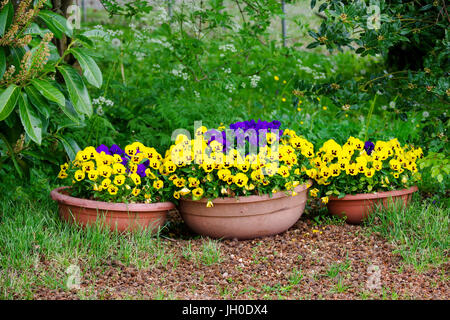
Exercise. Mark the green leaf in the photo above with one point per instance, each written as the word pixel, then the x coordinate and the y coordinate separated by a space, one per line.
pixel 440 178
pixel 313 45
pixel 2 62
pixel 8 100
pixel 56 23
pixel 77 90
pixel 16 55
pixel 70 146
pixel 38 101
pixel 34 29
pixel 6 16
pixel 30 120
pixel 85 41
pixel 49 91
pixel 71 113
pixel 90 69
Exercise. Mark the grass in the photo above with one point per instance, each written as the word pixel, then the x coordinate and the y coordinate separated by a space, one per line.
pixel 337 269
pixel 31 232
pixel 208 254
pixel 419 232
pixel 38 250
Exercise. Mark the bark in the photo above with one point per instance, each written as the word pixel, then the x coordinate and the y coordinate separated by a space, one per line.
pixel 60 7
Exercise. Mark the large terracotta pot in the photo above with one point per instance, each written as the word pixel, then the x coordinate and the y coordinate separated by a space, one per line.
pixel 122 216
pixel 357 207
pixel 244 217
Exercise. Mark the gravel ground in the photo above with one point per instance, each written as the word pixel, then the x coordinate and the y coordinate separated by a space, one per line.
pixel 306 262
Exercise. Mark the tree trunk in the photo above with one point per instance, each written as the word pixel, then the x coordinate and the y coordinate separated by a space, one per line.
pixel 60 7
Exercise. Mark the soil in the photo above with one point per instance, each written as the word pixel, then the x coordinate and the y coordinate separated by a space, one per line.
pixel 306 262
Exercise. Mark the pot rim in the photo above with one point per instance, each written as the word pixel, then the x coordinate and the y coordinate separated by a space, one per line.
pixel 252 198
pixel 60 197
pixel 376 195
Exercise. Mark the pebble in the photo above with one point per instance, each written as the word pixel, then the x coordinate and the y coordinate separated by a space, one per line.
pixel 225 275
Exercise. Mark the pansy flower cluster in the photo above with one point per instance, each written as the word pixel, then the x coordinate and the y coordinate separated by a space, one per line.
pixel 244 134
pixel 210 167
pixel 360 167
pixel 204 169
pixel 116 175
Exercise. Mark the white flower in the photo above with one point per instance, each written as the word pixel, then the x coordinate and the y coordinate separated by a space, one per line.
pixel 116 43
pixel 227 47
pixel 197 94
pixel 425 114
pixel 140 56
pixel 100 111
pixel 182 88
pixel 102 101
pixel 229 87
pixel 392 104
pixel 306 69
pixel 384 107
pixel 254 80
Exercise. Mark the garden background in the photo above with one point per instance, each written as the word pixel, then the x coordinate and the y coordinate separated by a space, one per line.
pixel 137 70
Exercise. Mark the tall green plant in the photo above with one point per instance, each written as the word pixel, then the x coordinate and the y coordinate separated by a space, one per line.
pixel 37 85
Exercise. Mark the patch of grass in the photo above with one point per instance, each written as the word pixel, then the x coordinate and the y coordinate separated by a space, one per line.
pixel 419 231
pixel 340 287
pixel 327 219
pixel 36 248
pixel 296 277
pixel 337 269
pixel 211 253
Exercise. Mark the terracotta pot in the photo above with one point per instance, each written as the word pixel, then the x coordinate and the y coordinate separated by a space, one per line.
pixel 244 217
pixel 124 216
pixel 357 207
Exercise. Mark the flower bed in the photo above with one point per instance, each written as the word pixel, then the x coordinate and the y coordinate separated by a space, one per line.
pixel 363 168
pixel 250 158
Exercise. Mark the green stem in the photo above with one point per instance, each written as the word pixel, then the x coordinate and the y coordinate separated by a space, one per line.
pixel 372 106
pixel 13 157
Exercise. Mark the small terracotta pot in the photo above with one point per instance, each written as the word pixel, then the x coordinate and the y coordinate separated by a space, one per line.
pixel 357 207
pixel 244 217
pixel 123 216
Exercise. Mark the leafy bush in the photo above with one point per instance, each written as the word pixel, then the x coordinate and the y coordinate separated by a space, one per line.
pixel 413 41
pixel 40 93
pixel 435 169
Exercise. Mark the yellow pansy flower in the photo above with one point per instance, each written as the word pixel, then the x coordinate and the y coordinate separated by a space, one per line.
pixel 158 184
pixel 119 180
pixel 112 189
pixel 198 192
pixel 92 175
pixel 240 179
pixel 105 183
pixel 79 175
pixel 135 192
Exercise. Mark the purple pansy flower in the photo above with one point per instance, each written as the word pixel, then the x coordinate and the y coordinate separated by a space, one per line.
pixel 115 149
pixel 369 146
pixel 102 148
pixel 141 170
